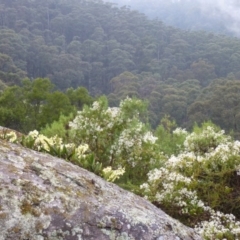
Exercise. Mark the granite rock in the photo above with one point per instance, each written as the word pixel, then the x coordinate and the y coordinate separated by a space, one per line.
pixel 46 198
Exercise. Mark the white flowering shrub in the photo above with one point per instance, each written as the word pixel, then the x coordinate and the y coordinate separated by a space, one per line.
pixel 200 185
pixel 116 136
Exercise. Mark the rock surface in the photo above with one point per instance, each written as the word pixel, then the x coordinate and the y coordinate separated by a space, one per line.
pixel 43 197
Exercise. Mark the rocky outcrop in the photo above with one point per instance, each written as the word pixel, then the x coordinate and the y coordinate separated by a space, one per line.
pixel 43 197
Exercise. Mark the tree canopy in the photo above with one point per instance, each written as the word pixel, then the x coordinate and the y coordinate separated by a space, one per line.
pixel 119 52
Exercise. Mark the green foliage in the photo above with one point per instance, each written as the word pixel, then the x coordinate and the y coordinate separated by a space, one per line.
pixel 170 140
pixel 220 103
pixel 91 164
pixel 57 103
pixel 35 104
pixel 35 96
pixel 79 97
pixel 13 108
pixel 59 127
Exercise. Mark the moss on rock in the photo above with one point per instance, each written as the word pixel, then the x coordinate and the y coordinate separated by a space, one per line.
pixel 46 198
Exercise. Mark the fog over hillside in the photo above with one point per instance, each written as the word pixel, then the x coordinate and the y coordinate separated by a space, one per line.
pixel 227 9
pixel 221 16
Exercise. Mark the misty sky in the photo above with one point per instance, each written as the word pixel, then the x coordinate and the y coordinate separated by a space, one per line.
pixel 228 10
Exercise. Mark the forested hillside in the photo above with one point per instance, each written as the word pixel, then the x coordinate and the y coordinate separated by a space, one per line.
pixel 191 76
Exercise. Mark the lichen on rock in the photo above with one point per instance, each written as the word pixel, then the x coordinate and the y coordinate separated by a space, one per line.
pixel 46 198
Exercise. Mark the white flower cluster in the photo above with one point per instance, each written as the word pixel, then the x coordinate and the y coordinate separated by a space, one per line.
pixel 223 152
pixel 95 105
pixel 129 101
pixel 96 119
pixel 180 132
pixel 183 160
pixel 81 150
pixel 126 141
pixel 34 134
pixel 208 136
pixel 113 112
pixel 166 185
pixel 10 136
pixel 43 143
pixel 219 225
pixel 149 138
pixel 157 175
pixel 126 145
pixel 112 175
pixel 218 156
